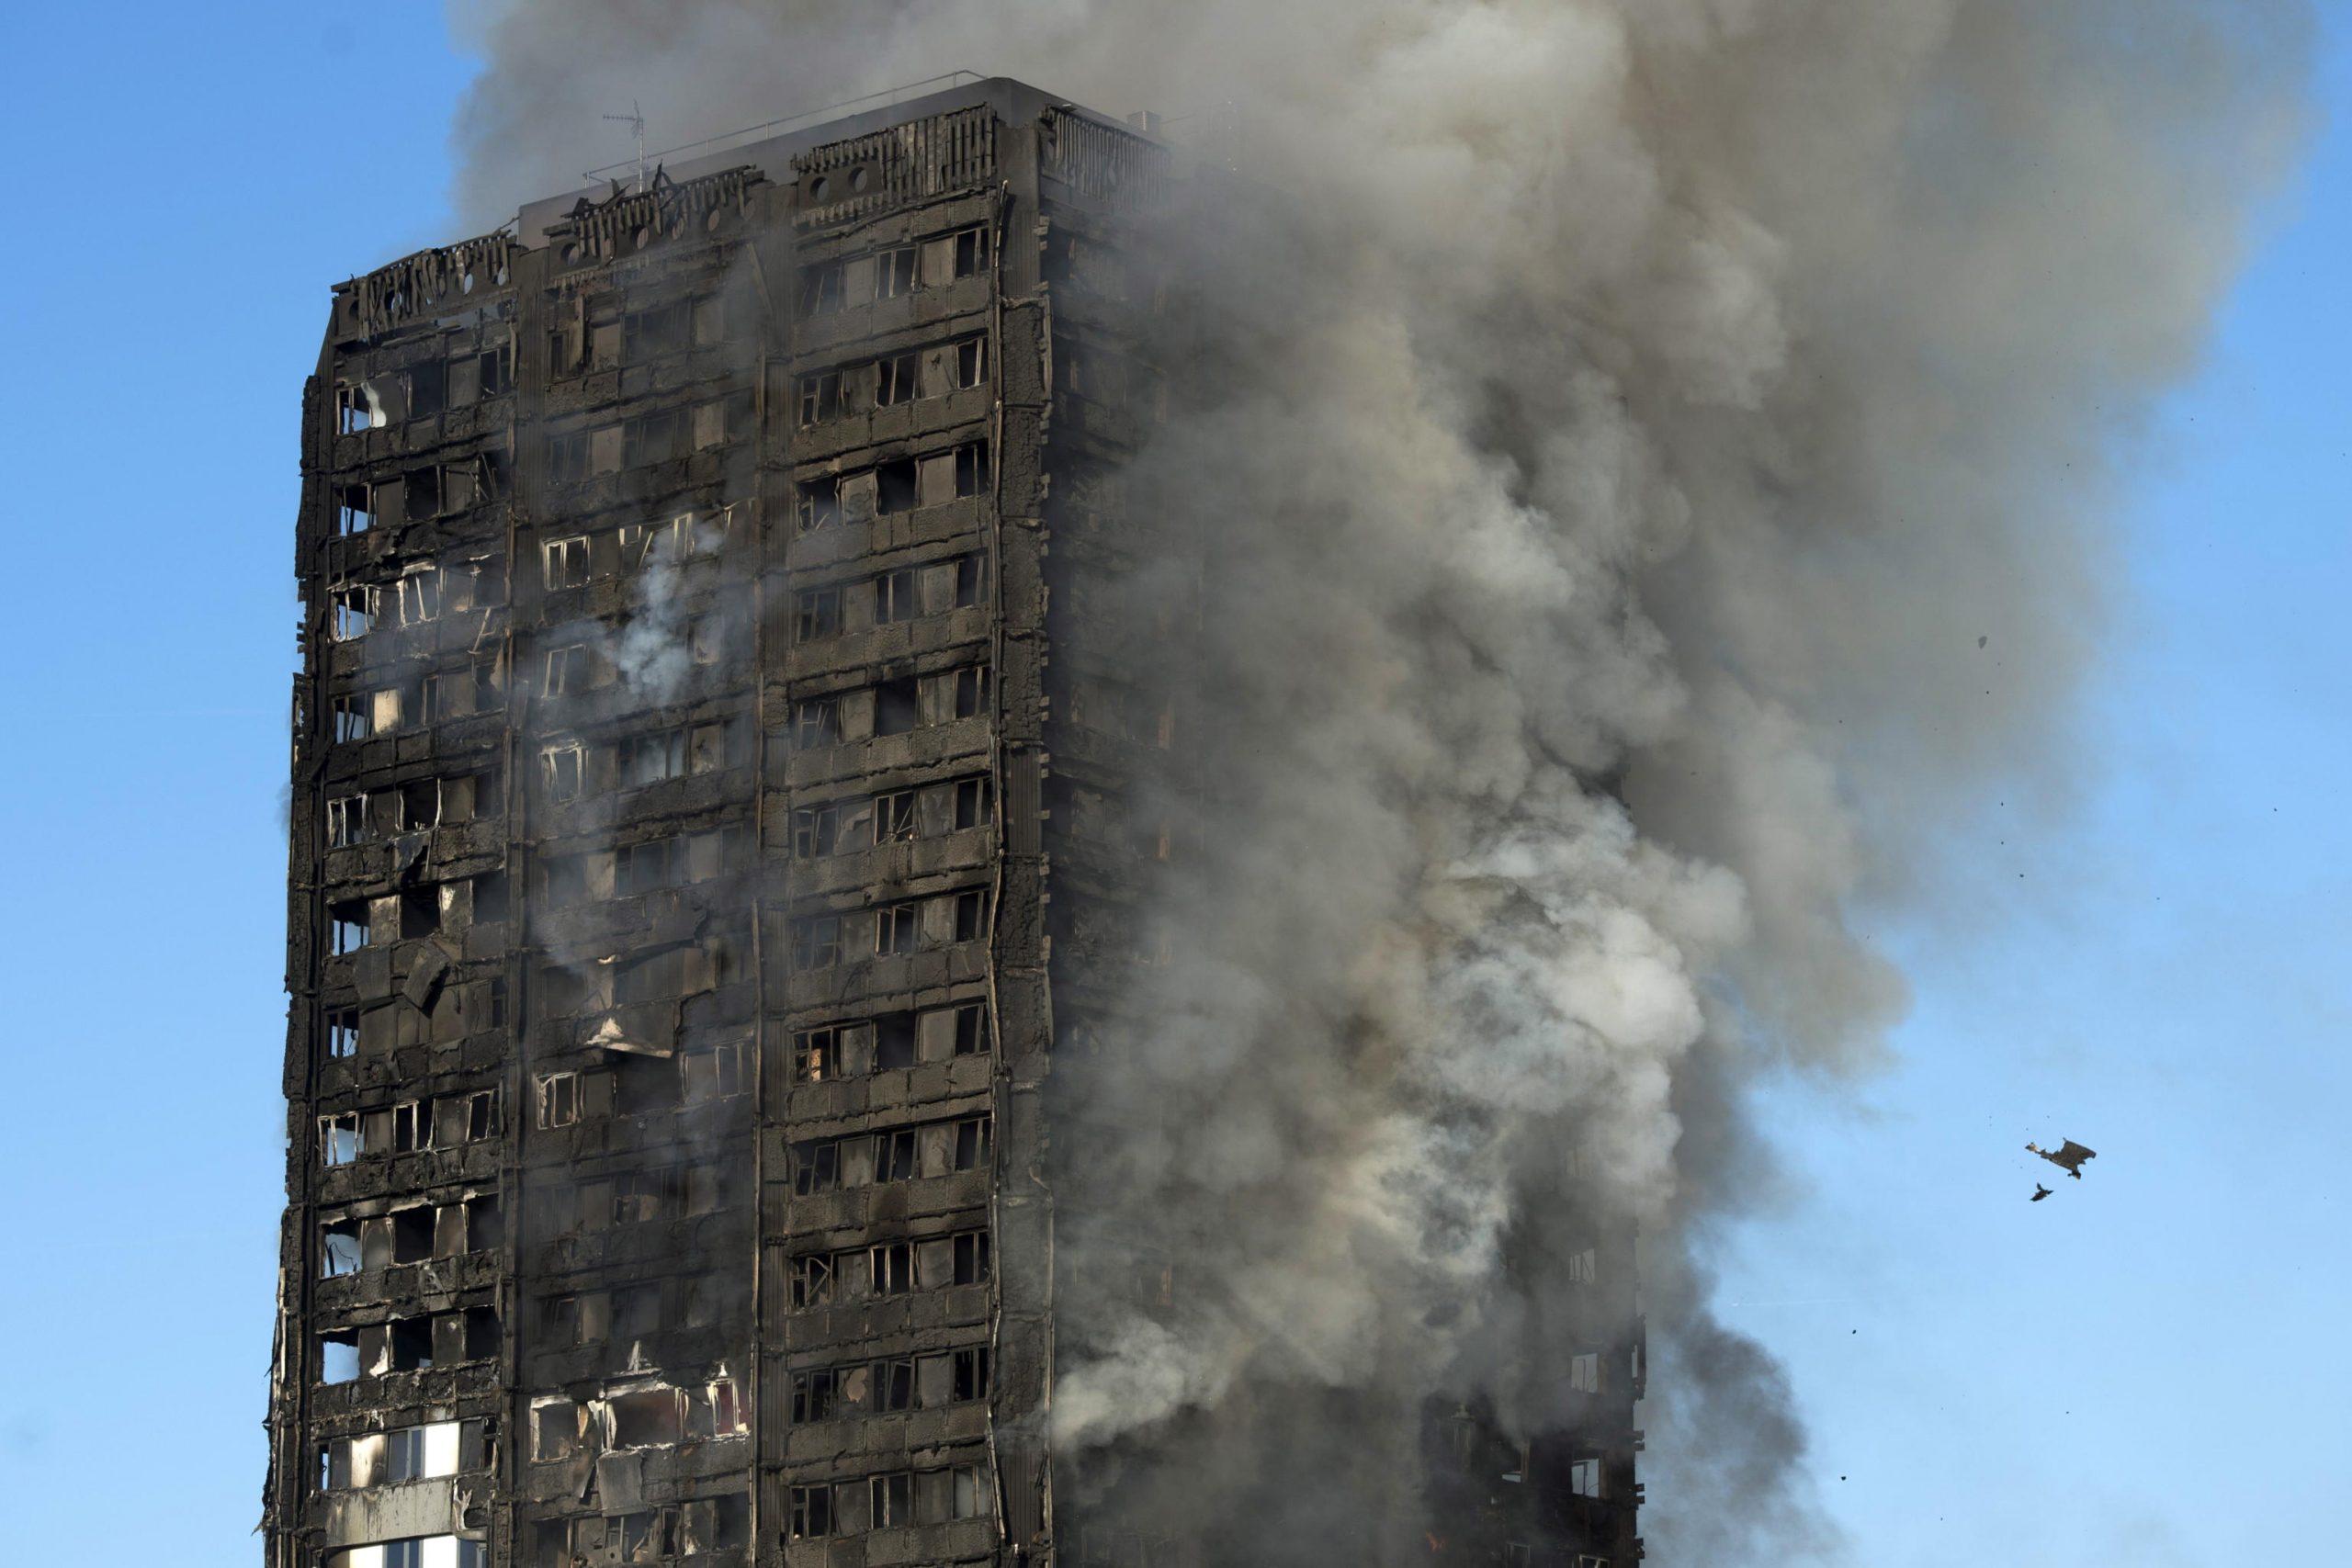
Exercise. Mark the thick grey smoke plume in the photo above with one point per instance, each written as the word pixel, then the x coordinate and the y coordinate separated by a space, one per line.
pixel 1610 442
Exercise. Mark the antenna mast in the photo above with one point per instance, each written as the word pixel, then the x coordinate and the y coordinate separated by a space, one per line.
pixel 635 121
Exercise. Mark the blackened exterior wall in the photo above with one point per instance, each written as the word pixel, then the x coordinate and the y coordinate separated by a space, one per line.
pixel 678 773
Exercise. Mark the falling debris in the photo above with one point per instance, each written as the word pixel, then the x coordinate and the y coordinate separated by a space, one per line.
pixel 2068 1159
pixel 2040 1192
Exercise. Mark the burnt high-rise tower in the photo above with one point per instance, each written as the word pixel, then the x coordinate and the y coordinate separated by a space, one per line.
pixel 678 772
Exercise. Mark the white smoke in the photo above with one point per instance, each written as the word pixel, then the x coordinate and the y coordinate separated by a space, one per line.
pixel 1610 440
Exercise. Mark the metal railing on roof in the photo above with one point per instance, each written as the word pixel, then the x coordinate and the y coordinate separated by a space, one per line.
pixel 881 101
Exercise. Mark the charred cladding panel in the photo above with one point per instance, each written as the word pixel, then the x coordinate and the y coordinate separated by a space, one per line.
pixel 673 975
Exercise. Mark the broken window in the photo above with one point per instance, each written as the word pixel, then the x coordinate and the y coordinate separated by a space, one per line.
pixel 559 1099
pixel 555 1428
pixel 420 805
pixel 353 613
pixel 643 544
pixel 656 438
pixel 711 1074
pixel 972 468
pixel 658 329
pixel 419 596
pixel 898 928
pixel 563 563
pixel 894 380
pixel 473 377
pixel 481 1223
pixel 647 1418
pixel 481 1107
pixel 815 1394
pixel 894 486
pixel 895 816
pixel 1584 1373
pixel 412 1128
pixel 650 759
pixel 355 717
pixel 421 493
pixel 820 397
pixel 640 1197
pixel 643 867
pixel 347 927
pixel 709 320
pixel 894 1043
pixel 821 289
pixel 971 252
pixel 419 912
pixel 971 365
pixel 891 1500
pixel 894 1156
pixel 568 451
pixel 971 1145
pixel 967 1497
pixel 412 1345
pixel 1584 1478
pixel 1584 1266
pixel 604 340
pixel 354 510
pixel 971 579
pixel 968 1374
pixel 815 722
pixel 970 696
pixel 412 1234
pixel 969 1257
pixel 646 1536
pixel 339 1249
pixel 811 1279
pixel 898 705
pixel 343 1029
pixel 818 505
pixel 489 680
pixel 339 1356
pixel 707 637
pixel 893 1265
pixel 560 1322
pixel 817 1055
pixel 812 1511
pixel 560 766
pixel 715 419
pixel 815 1167
pixel 346 821
pixel 339 1138
pixel 971 1029
pixel 971 915
pixel 813 831
pixel 356 409
pixel 897 596
pixel 894 272
pixel 428 387
pixel 567 671
pixel 816 941
pixel 817 614
pixel 972 803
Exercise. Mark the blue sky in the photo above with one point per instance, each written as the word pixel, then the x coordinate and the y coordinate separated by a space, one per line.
pixel 2148 1369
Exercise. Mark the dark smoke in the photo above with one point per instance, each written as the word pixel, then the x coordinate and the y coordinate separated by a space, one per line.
pixel 1610 430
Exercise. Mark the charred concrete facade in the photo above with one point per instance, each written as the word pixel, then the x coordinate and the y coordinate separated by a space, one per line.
pixel 692 726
